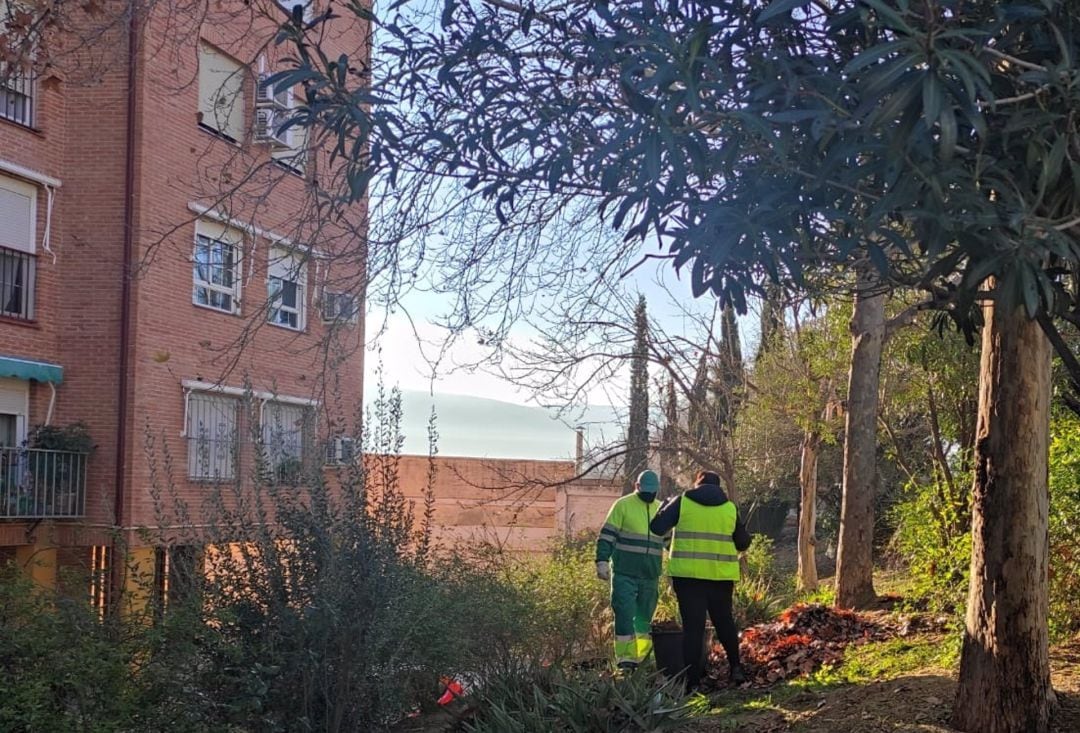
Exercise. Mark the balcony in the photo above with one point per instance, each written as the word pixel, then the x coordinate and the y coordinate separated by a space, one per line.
pixel 42 484
pixel 18 273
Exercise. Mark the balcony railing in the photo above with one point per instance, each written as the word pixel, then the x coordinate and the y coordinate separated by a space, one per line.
pixel 17 96
pixel 18 274
pixel 42 484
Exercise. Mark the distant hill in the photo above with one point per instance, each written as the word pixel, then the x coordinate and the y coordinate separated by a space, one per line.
pixel 476 426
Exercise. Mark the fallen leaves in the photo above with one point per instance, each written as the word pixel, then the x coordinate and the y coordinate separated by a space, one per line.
pixel 804 638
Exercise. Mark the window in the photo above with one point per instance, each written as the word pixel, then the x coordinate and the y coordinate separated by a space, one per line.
pixel 212 437
pixel 340 451
pixel 221 97
pixel 285 431
pixel 17 95
pixel 216 268
pixel 338 307
pixel 17 83
pixel 275 106
pixel 17 249
pixel 286 279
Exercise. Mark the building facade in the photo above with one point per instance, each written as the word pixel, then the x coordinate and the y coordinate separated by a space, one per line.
pixel 169 284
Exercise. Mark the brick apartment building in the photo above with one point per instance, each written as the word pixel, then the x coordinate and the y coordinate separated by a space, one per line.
pixel 152 150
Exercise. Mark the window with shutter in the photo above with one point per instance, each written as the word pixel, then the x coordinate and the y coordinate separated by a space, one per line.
pixel 221 93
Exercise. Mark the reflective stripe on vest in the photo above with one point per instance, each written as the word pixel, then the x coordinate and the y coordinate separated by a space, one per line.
pixel 702 545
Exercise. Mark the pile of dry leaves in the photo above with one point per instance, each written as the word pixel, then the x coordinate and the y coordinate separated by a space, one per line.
pixel 805 637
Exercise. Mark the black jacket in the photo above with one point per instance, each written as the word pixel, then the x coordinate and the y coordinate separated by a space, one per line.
pixel 706 495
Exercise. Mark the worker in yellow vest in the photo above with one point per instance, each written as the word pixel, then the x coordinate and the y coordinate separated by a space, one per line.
pixel 707 537
pixel 631 557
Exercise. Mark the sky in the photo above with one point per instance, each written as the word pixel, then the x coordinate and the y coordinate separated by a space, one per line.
pixel 478 412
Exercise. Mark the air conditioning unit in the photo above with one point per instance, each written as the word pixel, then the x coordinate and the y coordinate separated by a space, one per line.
pixel 268 130
pixel 340 451
pixel 267 95
pixel 338 307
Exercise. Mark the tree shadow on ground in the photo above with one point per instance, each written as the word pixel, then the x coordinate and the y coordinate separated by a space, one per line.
pixel 912 704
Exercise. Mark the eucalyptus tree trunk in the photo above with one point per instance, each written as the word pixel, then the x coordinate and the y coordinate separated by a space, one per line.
pixel 807 577
pixel 1004 684
pixel 855 553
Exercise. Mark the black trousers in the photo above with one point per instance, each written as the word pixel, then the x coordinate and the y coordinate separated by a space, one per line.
pixel 698 598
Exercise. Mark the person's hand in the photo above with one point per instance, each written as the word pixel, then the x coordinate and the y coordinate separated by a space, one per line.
pixel 603 570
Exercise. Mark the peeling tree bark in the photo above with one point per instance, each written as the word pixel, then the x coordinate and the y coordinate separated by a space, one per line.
pixel 807 578
pixel 855 554
pixel 1004 684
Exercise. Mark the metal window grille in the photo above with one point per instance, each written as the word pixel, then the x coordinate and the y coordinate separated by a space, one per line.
pixel 285 431
pixel 18 272
pixel 212 437
pixel 17 95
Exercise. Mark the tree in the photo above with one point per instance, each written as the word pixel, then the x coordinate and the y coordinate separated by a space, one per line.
pixel 855 558
pixel 763 140
pixel 637 432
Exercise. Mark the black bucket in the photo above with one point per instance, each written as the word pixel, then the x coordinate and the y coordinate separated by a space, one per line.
pixel 667 647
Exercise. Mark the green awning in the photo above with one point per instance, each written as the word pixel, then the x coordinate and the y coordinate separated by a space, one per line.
pixel 40 371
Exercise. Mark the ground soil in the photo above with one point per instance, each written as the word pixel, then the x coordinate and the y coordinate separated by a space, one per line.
pixel 917 702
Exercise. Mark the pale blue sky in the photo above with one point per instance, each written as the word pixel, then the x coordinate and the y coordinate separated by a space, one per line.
pixel 481 414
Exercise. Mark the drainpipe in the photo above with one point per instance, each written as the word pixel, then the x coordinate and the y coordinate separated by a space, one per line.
pixel 116 565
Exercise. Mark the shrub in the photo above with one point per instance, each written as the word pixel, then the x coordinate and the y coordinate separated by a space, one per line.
pixel 331 616
pixel 1065 526
pixel 522 697
pixel 933 538
pixel 761 594
pixel 566 614
pixel 60 667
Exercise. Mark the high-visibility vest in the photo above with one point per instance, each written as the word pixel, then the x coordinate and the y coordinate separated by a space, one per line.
pixel 702 545
pixel 626 539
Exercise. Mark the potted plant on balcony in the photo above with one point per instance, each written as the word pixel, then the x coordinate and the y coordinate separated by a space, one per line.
pixel 58 463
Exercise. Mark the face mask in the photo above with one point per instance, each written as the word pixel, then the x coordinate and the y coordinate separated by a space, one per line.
pixel 647 498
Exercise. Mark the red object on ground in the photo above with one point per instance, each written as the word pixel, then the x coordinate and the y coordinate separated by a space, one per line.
pixel 453 691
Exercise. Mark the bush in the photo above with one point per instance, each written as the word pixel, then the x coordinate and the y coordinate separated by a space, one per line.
pixel 933 538
pixel 61 668
pixel 1065 526
pixel 760 595
pixel 566 613
pixel 526 698
pixel 299 608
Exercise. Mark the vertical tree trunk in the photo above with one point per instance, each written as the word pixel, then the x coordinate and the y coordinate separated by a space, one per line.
pixel 855 555
pixel 807 579
pixel 1004 684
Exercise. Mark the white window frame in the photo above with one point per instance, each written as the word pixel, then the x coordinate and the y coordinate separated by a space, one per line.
pixel 227 406
pixel 286 266
pixel 221 234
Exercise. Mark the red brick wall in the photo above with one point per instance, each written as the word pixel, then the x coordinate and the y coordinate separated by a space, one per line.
pixel 521 505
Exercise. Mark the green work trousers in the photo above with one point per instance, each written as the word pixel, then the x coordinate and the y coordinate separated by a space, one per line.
pixel 633 600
